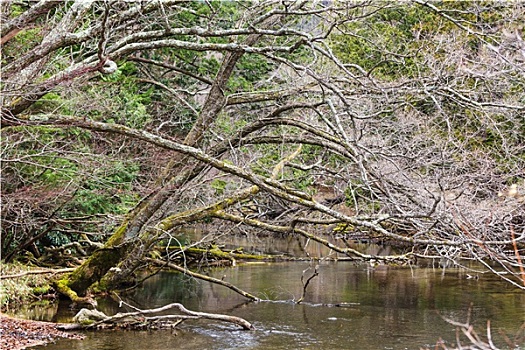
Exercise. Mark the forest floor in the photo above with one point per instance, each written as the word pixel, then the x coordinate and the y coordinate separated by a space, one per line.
pixel 17 334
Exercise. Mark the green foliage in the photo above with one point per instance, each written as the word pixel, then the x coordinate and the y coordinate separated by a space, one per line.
pixel 249 70
pixel 219 186
pixel 395 40
pixel 299 179
pixel 227 12
pixel 23 41
pixel 59 175
pixel 228 126
pixel 16 10
pixel 108 192
pixel 270 156
pixel 51 168
pixel 18 291
pixel 208 67
pixel 129 101
pixel 43 289
pixel 32 35
pixel 386 42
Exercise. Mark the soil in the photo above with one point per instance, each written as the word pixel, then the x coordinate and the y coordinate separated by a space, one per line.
pixel 17 334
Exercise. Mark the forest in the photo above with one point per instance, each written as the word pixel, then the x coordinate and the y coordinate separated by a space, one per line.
pixel 347 124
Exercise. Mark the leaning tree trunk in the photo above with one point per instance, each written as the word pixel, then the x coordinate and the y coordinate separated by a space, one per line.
pixel 131 240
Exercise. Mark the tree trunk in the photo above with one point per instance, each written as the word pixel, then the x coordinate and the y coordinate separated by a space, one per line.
pixel 130 242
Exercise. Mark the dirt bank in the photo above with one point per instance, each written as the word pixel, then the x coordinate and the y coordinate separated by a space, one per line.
pixel 16 334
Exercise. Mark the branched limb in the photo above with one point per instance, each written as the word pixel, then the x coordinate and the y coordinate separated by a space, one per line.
pixel 140 316
pixel 350 252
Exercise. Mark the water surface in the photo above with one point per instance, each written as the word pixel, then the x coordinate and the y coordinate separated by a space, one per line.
pixel 388 308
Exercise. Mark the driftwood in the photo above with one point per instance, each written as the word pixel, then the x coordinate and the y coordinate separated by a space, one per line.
pixel 93 318
pixel 89 316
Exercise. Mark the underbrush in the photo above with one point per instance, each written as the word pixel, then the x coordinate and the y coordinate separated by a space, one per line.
pixel 15 291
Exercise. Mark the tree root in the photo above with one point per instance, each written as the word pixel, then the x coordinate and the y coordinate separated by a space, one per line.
pixel 62 286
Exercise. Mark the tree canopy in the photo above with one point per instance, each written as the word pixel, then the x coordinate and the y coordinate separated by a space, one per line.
pixel 124 123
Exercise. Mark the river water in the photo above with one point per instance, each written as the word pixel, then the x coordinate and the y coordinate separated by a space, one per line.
pixel 386 308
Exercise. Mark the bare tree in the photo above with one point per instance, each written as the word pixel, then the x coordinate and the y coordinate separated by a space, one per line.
pixel 407 126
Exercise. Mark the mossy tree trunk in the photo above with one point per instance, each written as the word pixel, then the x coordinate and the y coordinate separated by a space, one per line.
pixel 122 254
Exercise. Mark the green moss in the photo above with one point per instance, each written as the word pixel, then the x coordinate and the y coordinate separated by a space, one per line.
pixel 87 322
pixel 118 236
pixel 41 303
pixel 62 286
pixel 94 268
pixel 40 290
pixel 343 228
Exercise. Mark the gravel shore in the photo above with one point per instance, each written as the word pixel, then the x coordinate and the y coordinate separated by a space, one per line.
pixel 17 334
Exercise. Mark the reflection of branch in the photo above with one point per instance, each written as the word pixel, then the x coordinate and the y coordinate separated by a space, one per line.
pixel 203 277
pixel 478 342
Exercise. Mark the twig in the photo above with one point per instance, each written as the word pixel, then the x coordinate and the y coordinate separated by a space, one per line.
pixel 518 257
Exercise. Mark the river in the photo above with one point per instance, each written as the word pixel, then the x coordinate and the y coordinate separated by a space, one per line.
pixel 386 308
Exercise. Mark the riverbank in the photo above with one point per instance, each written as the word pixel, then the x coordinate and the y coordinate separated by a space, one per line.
pixel 17 334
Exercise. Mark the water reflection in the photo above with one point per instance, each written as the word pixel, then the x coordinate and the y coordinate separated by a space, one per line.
pixel 388 308
pixel 296 246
